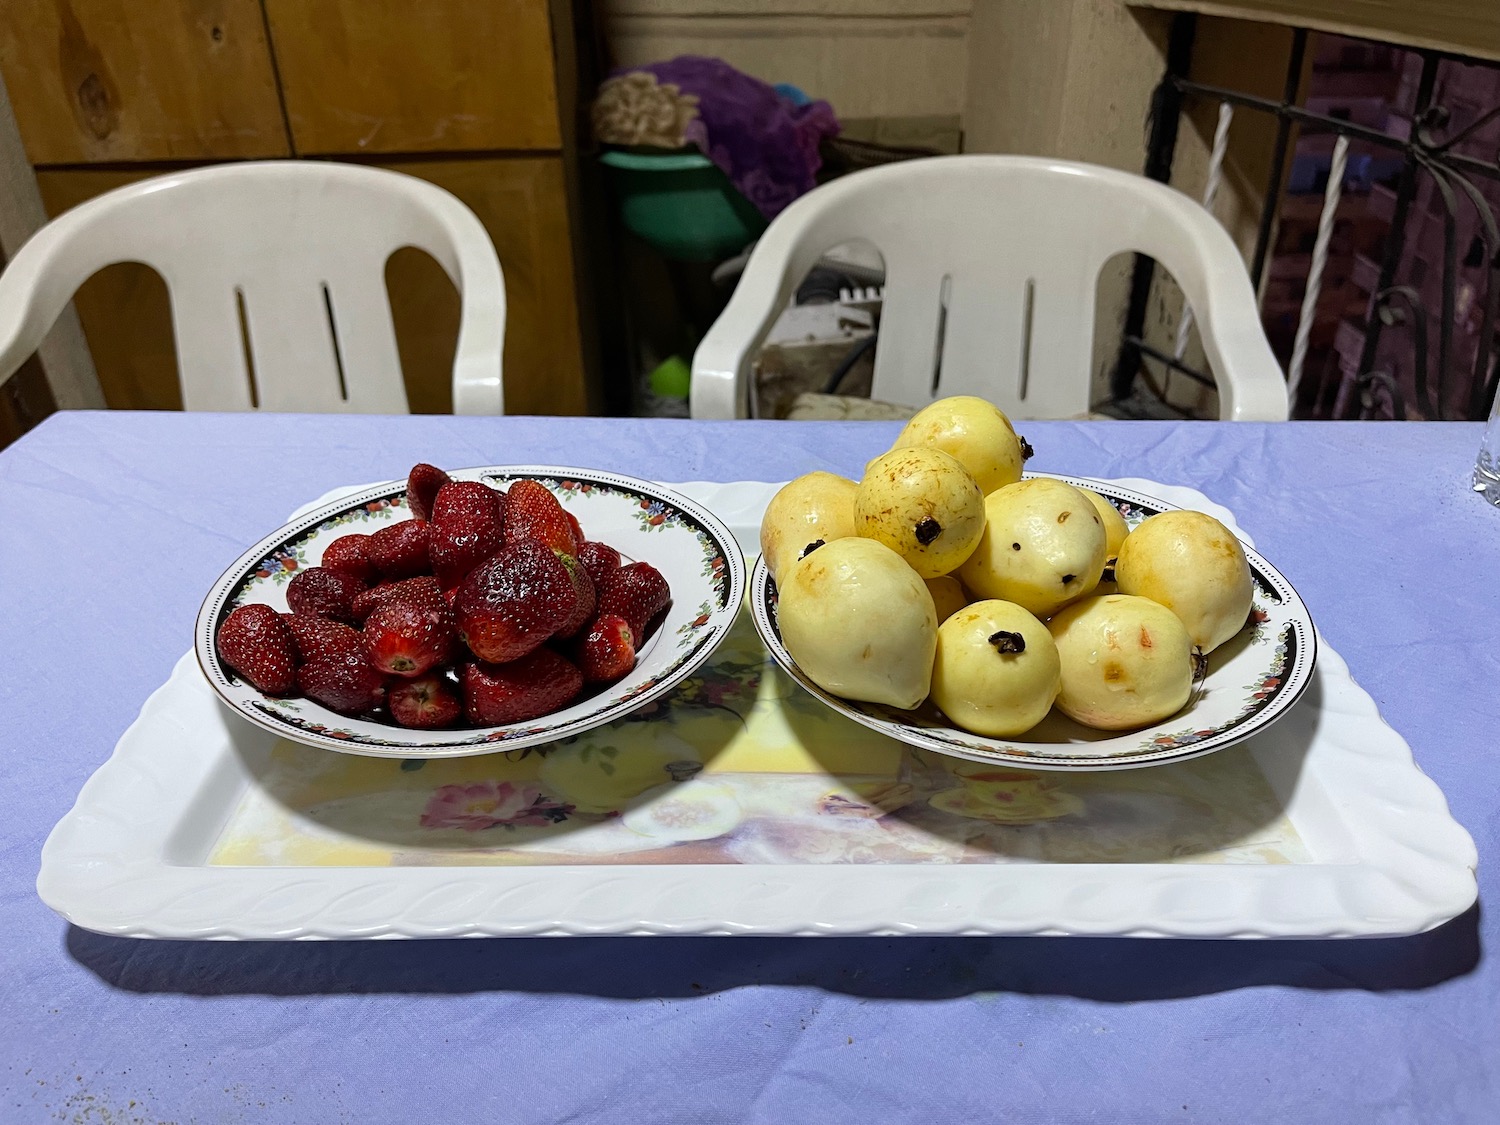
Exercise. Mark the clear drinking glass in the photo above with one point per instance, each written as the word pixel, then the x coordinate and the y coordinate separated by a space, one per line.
pixel 1487 466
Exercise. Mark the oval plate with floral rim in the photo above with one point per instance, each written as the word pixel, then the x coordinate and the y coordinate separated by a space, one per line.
pixel 1253 679
pixel 692 548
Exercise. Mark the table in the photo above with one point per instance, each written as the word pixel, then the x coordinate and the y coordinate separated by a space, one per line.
pixel 1374 523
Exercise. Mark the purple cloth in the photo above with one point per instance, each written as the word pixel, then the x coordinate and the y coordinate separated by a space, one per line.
pixel 113 525
pixel 765 143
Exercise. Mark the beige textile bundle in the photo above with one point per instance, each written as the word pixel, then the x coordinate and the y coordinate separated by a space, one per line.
pixel 634 109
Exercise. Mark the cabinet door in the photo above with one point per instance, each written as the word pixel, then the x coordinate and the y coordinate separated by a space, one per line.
pixel 109 80
pixel 521 201
pixel 391 76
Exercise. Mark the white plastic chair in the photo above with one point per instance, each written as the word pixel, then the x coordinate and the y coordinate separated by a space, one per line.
pixel 276 272
pixel 991 268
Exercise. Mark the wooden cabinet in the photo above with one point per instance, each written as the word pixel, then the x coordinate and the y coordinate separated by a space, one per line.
pixel 436 76
pixel 464 95
pixel 521 202
pixel 127 80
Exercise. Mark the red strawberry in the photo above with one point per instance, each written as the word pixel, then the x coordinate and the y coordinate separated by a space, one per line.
pixel 330 593
pixel 600 560
pixel 423 588
pixel 532 512
pixel 399 550
pixel 407 637
pixel 608 650
pixel 422 484
pixel 369 599
pixel 426 703
pixel 637 593
pixel 257 644
pixel 336 671
pixel 588 597
pixel 512 603
pixel 348 684
pixel 318 638
pixel 467 522
pixel 535 685
pixel 347 555
pixel 578 536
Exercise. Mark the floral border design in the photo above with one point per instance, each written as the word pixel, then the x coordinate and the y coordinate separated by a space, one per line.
pixel 1133 514
pixel 283 710
pixel 705 611
pixel 652 515
pixel 281 564
pixel 1261 692
pixel 687 638
pixel 278 567
pixel 935 730
pixel 679 650
pixel 913 722
pixel 694 694
pixel 286 559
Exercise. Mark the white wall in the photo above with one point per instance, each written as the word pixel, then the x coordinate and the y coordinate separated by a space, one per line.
pixel 868 58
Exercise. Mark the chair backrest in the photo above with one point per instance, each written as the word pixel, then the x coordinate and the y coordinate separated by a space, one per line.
pixel 992 263
pixel 276 273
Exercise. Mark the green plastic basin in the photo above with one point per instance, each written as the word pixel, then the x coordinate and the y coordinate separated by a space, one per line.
pixel 682 204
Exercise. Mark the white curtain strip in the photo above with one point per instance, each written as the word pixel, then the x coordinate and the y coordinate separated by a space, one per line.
pixel 1319 259
pixel 1210 193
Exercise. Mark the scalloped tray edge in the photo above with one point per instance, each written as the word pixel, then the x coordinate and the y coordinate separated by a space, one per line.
pixel 103 865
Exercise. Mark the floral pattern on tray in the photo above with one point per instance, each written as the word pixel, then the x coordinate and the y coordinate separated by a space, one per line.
pixel 739 765
pixel 492 804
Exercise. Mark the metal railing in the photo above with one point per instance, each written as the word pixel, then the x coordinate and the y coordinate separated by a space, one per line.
pixel 1372 388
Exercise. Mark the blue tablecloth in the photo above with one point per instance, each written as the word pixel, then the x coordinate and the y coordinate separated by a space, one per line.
pixel 113 525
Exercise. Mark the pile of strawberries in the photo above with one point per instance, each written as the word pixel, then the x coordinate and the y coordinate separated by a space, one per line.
pixel 487 607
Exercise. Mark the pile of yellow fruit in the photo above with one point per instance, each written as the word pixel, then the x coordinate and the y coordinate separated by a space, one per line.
pixel 942 573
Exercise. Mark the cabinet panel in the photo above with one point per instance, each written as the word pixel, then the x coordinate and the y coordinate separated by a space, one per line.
pixel 102 80
pixel 389 76
pixel 522 203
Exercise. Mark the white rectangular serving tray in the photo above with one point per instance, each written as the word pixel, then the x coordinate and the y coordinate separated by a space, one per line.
pixel 1381 855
